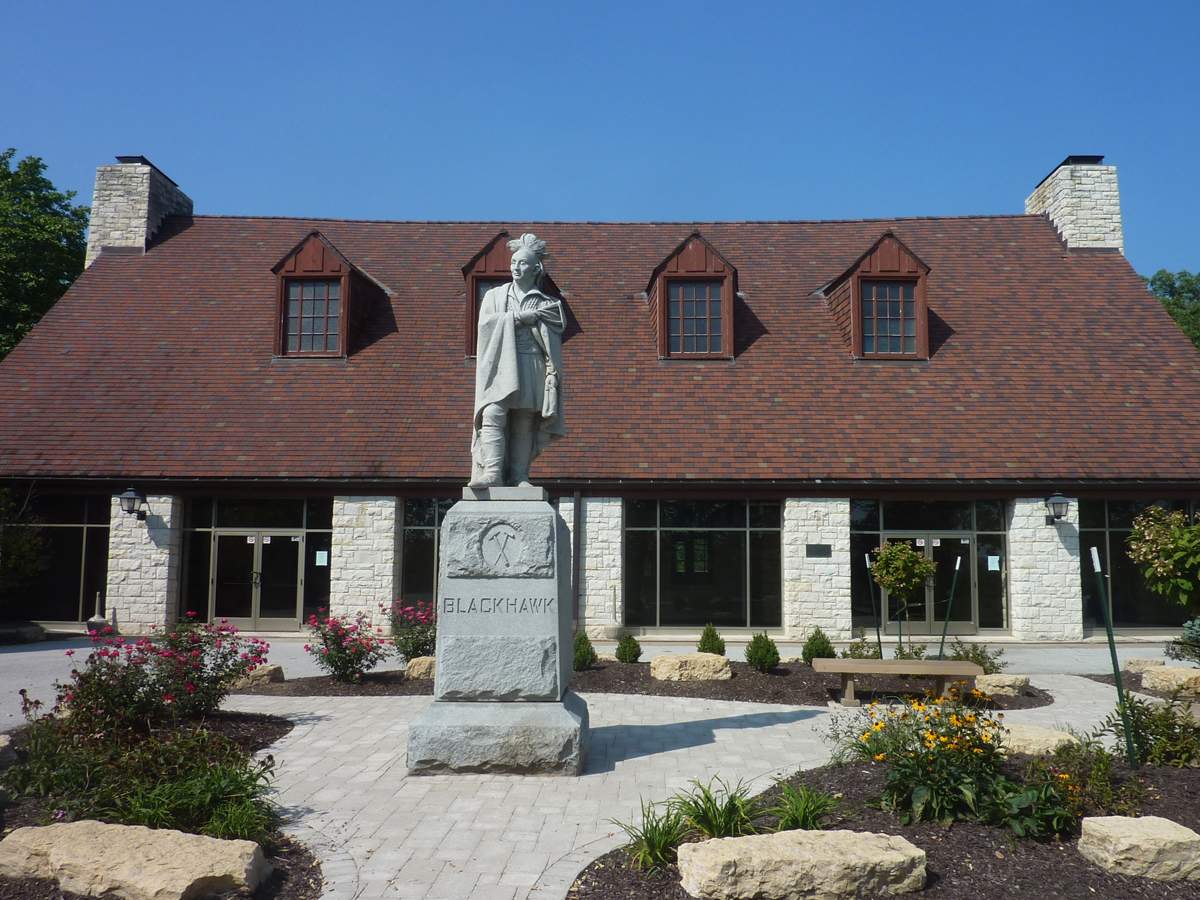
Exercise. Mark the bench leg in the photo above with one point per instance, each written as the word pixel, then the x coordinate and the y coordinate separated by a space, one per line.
pixel 848 698
pixel 939 686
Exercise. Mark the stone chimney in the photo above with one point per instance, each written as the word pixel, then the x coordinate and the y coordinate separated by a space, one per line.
pixel 1081 198
pixel 129 204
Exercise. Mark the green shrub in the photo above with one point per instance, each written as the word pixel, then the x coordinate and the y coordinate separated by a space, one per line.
pixel 716 812
pixel 912 651
pixel 802 808
pixel 345 649
pixel 860 649
pixel 414 628
pixel 710 641
pixel 1166 547
pixel 1187 645
pixel 628 649
pixel 653 843
pixel 585 653
pixel 761 653
pixel 980 654
pixel 1031 810
pixel 1086 778
pixel 818 646
pixel 1164 734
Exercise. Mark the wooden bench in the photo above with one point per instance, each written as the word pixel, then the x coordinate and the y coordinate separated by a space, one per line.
pixel 943 670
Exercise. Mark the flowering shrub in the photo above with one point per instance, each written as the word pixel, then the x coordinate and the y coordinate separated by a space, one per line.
pixel 1166 545
pixel 343 648
pixel 196 662
pixel 414 628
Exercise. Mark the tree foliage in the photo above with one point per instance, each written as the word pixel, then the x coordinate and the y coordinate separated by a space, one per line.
pixel 1166 545
pixel 42 245
pixel 1180 294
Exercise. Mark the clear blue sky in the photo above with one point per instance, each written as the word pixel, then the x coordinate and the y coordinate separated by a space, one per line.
pixel 619 110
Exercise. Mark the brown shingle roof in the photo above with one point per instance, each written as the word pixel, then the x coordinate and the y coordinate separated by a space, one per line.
pixel 1047 364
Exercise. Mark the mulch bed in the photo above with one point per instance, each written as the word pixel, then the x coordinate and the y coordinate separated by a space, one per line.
pixel 796 685
pixel 963 860
pixel 296 874
pixel 1132 681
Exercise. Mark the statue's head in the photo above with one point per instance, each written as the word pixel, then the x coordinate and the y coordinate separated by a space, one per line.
pixel 527 264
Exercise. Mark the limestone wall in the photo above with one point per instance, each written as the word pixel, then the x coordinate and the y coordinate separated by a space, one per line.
pixel 1045 598
pixel 363 572
pixel 129 203
pixel 144 565
pixel 816 590
pixel 1084 204
pixel 601 608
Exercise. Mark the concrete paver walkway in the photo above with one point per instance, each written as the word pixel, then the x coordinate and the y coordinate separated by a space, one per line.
pixel 343 783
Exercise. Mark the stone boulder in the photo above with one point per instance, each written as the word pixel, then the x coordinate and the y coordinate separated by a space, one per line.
pixel 130 861
pixel 1035 740
pixel 795 864
pixel 1139 665
pixel 1170 679
pixel 267 674
pixel 1002 685
pixel 690 667
pixel 419 667
pixel 8 755
pixel 1150 846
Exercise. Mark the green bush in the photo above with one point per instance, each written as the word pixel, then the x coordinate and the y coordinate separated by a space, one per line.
pixel 1031 810
pixel 717 812
pixel 414 628
pixel 187 779
pixel 653 843
pixel 345 649
pixel 1166 547
pixel 1187 645
pixel 980 654
pixel 585 653
pixel 710 641
pixel 1164 734
pixel 628 649
pixel 860 649
pixel 761 653
pixel 1086 778
pixel 801 808
pixel 912 651
pixel 818 646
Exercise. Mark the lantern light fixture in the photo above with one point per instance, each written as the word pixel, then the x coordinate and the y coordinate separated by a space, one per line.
pixel 1057 506
pixel 133 502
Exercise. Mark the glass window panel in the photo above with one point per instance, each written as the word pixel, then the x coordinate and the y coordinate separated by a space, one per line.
pixel 894 309
pixel 273 512
pixel 910 328
pixel 307 308
pixel 864 594
pixel 198 512
pixel 992 606
pixel 868 308
pixel 1134 605
pixel 97 508
pixel 293 290
pixel 95 569
pixel 319 512
pixel 443 505
pixel 640 578
pixel 641 513
pixel 703 513
pixel 689 326
pixel 675 308
pixel 309 290
pixel 718 594
pixel 316 578
pixel 53 591
pixel 868 344
pixel 989 515
pixel 927 515
pixel 417 566
pixel 909 309
pixel 766 580
pixel 293 325
pixel 318 308
pixel 701 326
pixel 766 514
pixel 335 290
pixel 714 336
pixel 864 515
pixel 1093 613
pixel 198 552
pixel 1121 513
pixel 54 509
pixel 689 344
pixel 689 307
pixel 306 342
pixel 910 345
pixel 1091 513
pixel 293 342
pixel 674 328
pixel 419 511
pixel 908 292
pixel 331 342
pixel 894 327
pixel 294 307
pixel 894 342
pixel 673 343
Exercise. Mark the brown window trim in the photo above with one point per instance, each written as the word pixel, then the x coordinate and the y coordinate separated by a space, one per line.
pixel 664 289
pixel 920 311
pixel 471 321
pixel 281 317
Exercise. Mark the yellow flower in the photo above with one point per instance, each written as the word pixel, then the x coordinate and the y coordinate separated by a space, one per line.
pixel 879 757
pixel 879 726
pixel 977 750
pixel 1064 776
pixel 864 736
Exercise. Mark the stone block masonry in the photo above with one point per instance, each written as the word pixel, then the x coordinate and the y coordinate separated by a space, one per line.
pixel 1084 203
pixel 363 558
pixel 129 203
pixel 1045 598
pixel 816 589
pixel 601 605
pixel 142 590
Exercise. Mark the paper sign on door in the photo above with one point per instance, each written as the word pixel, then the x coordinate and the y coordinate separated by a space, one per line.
pixel 993 564
pixel 249 539
pixel 266 539
pixel 920 542
pixel 322 558
pixel 937 542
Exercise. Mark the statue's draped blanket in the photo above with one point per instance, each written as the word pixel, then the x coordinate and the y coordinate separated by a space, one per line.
pixel 499 367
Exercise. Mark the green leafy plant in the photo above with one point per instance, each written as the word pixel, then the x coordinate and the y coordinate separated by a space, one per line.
pixel 628 649
pixel 860 649
pixel 912 651
pixel 585 654
pixel 1031 810
pixel 980 654
pixel 1085 777
pixel 761 653
pixel 818 646
pixel 1187 645
pixel 801 808
pixel 902 571
pixel 1166 546
pixel 1164 734
pixel 1180 295
pixel 654 842
pixel 711 641
pixel 717 812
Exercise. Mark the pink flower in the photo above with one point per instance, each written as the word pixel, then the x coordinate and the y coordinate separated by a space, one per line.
pixel 168 699
pixel 70 653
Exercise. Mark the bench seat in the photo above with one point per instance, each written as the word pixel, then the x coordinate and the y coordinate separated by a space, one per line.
pixel 944 670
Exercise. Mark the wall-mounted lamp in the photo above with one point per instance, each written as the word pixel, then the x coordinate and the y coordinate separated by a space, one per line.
pixel 1057 506
pixel 134 501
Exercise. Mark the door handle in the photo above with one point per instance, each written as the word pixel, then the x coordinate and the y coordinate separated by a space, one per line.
pixel 256 579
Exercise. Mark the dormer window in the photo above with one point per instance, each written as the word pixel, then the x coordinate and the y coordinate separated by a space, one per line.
pixel 314 316
pixel 889 317
pixel 691 300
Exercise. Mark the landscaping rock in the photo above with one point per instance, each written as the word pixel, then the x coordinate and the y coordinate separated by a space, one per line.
pixel 1035 739
pixel 795 864
pixel 8 755
pixel 606 658
pixel 261 675
pixel 1149 846
pixel 1170 679
pixel 1002 685
pixel 131 861
pixel 791 661
pixel 1139 665
pixel 419 667
pixel 690 667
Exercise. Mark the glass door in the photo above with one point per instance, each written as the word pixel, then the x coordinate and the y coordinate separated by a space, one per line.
pixel 257 580
pixel 926 612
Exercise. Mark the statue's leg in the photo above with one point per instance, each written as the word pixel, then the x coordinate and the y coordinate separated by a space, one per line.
pixel 492 445
pixel 521 423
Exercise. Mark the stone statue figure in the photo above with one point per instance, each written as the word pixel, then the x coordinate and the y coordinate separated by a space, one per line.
pixel 518 372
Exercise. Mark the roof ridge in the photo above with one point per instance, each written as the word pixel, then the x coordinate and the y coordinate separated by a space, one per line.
pixel 683 222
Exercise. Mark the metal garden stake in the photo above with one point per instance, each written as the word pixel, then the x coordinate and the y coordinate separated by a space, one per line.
pixel 1130 750
pixel 874 607
pixel 949 606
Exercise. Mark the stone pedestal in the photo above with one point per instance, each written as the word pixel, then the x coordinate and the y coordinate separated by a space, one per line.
pixel 504 643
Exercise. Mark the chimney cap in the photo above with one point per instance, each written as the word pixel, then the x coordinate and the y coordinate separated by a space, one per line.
pixel 1075 159
pixel 142 161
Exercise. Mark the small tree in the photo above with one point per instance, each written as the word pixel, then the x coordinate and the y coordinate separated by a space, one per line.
pixel 710 641
pixel 901 571
pixel 1166 545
